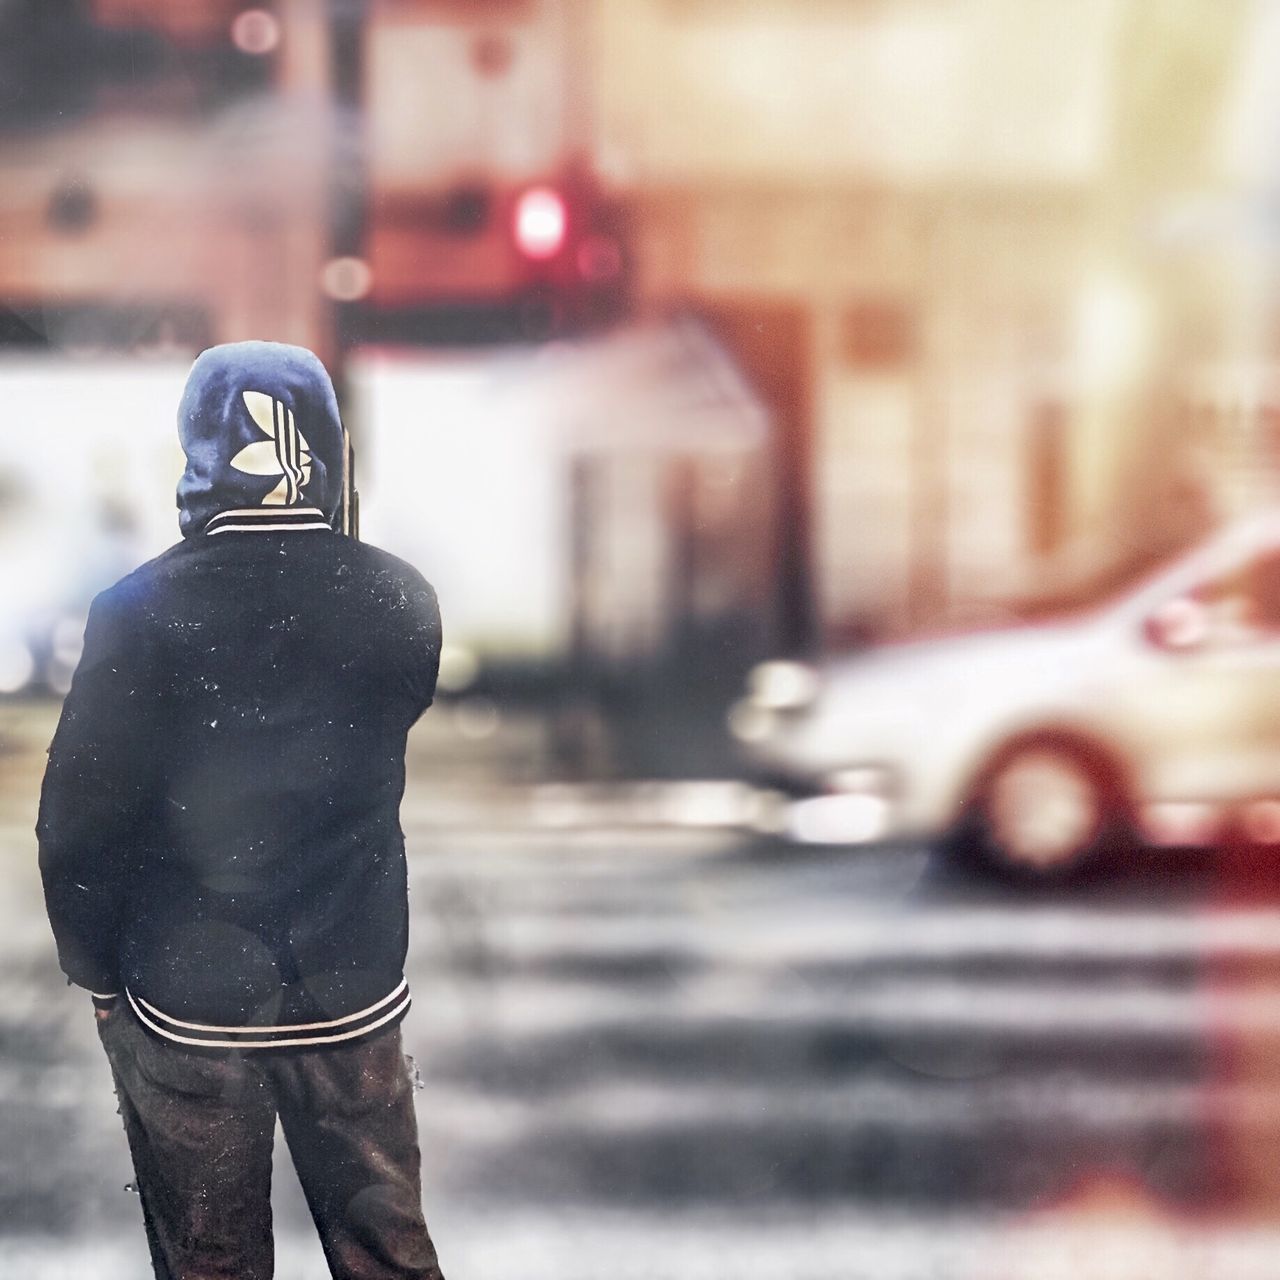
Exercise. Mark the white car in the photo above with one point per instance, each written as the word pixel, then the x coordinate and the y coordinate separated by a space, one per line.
pixel 1154 715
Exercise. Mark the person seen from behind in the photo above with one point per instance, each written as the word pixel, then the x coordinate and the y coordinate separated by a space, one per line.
pixel 220 844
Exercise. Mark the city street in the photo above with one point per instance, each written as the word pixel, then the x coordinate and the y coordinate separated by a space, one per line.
pixel 658 1051
pixel 763 426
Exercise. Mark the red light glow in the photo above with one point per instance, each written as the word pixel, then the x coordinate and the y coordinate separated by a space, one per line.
pixel 255 31
pixel 541 223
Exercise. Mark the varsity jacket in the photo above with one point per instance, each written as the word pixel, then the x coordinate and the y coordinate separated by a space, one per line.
pixel 219 833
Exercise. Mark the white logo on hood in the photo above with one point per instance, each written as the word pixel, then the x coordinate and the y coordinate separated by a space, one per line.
pixel 285 453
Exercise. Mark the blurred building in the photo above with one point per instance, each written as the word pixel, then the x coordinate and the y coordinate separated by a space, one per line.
pixel 164 176
pixel 988 284
pixel 1001 256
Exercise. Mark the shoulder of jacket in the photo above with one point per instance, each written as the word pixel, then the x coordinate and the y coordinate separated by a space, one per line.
pixel 130 593
pixel 385 564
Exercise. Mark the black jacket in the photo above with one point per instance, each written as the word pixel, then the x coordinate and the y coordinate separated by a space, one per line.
pixel 219 824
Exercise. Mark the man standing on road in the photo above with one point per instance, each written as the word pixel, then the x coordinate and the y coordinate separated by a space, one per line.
pixel 220 840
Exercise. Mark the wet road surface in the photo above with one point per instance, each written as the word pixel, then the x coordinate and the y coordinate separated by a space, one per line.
pixel 661 1052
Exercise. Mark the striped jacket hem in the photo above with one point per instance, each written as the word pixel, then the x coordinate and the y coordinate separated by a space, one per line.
pixel 391 1008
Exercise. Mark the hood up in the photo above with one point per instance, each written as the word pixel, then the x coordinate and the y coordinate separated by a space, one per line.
pixel 259 424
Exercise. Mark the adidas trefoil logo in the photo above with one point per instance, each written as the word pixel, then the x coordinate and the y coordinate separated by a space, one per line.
pixel 285 453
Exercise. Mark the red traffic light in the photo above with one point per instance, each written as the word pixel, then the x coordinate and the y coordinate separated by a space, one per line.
pixel 541 223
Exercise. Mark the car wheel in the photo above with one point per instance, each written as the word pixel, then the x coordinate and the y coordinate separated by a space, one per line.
pixel 1045 810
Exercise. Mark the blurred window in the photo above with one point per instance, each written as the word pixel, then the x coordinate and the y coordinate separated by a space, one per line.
pixel 1243 607
pixel 1047 514
pixel 61 60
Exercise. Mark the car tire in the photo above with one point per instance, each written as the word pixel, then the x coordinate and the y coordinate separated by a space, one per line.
pixel 1047 809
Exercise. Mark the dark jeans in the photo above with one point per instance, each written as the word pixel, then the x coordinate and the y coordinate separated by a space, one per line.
pixel 201 1127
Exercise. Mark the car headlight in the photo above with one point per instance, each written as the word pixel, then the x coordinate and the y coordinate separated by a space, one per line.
pixel 782 686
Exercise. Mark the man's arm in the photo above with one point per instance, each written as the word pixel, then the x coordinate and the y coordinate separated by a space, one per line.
pixel 421 659
pixel 97 786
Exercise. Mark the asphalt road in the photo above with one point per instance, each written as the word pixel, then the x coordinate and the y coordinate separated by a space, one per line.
pixel 660 1051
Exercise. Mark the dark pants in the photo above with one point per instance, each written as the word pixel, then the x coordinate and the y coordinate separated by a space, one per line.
pixel 201 1127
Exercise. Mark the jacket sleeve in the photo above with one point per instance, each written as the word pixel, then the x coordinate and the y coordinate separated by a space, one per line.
pixel 98 785
pixel 422 653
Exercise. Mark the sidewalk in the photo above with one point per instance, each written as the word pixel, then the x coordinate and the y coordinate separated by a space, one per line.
pixel 505 779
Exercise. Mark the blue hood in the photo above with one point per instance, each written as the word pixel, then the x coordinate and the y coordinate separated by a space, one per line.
pixel 259 425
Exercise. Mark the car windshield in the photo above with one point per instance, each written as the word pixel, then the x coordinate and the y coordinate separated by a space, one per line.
pixel 1089 594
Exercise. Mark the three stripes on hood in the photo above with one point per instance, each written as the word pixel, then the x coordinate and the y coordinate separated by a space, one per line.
pixel 285 452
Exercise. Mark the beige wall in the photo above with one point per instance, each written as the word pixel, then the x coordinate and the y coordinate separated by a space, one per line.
pixel 914 91
pixel 994 168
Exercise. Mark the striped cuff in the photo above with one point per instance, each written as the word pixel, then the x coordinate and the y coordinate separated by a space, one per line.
pixel 104 1000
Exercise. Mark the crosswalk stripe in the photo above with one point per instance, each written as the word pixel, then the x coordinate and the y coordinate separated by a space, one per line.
pixel 534 1006
pixel 937 935
pixel 1052 1100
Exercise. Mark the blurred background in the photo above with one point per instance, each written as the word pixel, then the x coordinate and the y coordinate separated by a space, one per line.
pixel 823 421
